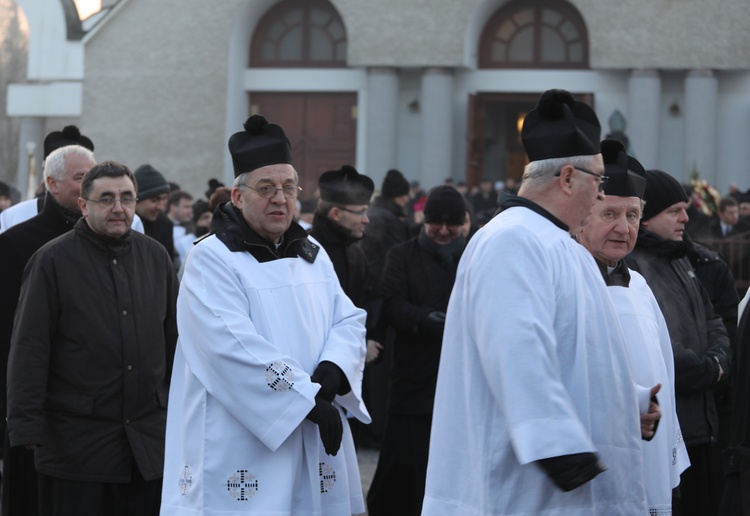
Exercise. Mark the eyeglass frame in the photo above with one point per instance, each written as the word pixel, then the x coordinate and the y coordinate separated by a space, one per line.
pixel 104 201
pixel 602 178
pixel 362 213
pixel 297 190
pixel 439 225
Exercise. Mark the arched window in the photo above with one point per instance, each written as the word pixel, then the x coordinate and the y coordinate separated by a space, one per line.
pixel 535 34
pixel 299 34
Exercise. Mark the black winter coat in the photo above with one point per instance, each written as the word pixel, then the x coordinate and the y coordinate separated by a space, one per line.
pixel 350 264
pixel 698 335
pixel 417 279
pixel 91 355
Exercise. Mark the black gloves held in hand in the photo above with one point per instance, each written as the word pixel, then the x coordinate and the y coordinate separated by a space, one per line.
pixel 434 323
pixel 571 471
pixel 332 381
pixel 328 419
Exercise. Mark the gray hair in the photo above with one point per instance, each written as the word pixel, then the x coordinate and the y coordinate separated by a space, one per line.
pixel 240 180
pixel 539 172
pixel 54 165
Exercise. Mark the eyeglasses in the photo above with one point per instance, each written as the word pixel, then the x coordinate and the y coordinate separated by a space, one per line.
pixel 361 213
pixel 439 225
pixel 269 192
pixel 126 201
pixel 602 178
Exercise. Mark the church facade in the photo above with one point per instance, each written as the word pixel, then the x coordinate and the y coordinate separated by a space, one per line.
pixel 435 88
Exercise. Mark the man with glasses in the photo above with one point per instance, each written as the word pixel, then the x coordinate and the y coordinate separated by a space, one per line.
pixel 271 351
pixel 90 357
pixel 535 409
pixel 416 285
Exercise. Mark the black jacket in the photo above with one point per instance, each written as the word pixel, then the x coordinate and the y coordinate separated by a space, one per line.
pixel 417 279
pixel 161 230
pixel 91 355
pixel 350 264
pixel 17 244
pixel 387 228
pixel 698 335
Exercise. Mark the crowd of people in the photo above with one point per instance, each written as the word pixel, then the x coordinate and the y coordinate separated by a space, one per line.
pixel 568 345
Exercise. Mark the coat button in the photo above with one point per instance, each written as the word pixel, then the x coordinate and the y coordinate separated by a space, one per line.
pixel 124 313
pixel 114 261
pixel 130 367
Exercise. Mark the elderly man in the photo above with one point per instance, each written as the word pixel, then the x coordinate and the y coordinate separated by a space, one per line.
pixel 416 286
pixel 700 344
pixel 535 410
pixel 609 235
pixel 68 158
pixel 90 357
pixel 271 350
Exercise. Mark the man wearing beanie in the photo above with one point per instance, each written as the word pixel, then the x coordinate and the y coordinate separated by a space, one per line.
pixel 68 156
pixel 700 344
pixel 271 353
pixel 153 194
pixel 535 409
pixel 610 235
pixel 416 286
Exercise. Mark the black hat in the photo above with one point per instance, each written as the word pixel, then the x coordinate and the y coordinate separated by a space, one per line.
pixel 560 127
pixel 445 204
pixel 627 178
pixel 150 182
pixel 394 184
pixel 260 144
pixel 345 186
pixel 70 135
pixel 662 191
pixel 4 189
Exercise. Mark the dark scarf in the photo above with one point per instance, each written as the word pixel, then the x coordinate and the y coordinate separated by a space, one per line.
pixel 653 243
pixel 448 253
pixel 70 216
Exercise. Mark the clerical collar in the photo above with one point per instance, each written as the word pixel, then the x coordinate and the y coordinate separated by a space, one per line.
pixel 617 276
pixel 515 200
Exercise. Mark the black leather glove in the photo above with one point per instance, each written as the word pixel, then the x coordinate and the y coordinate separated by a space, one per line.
pixel 329 424
pixel 332 380
pixel 571 471
pixel 434 324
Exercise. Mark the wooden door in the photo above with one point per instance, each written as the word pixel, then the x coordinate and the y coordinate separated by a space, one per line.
pixel 321 127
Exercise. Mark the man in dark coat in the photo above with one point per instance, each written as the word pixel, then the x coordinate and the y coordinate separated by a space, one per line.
pixel 339 223
pixel 700 344
pixel 388 227
pixel 416 287
pixel 153 194
pixel 91 354
pixel 67 159
pixel 736 496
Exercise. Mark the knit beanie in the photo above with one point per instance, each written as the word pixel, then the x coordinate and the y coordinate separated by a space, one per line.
pixel 662 191
pixel 150 182
pixel 394 184
pixel 445 204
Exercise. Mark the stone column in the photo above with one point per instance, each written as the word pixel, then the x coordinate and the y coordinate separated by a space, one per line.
pixel 437 124
pixel 701 105
pixel 31 134
pixel 382 122
pixel 644 95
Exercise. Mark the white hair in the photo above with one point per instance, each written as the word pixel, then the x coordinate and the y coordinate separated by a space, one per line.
pixel 539 172
pixel 54 164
